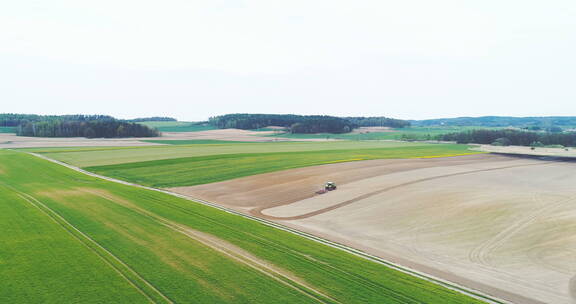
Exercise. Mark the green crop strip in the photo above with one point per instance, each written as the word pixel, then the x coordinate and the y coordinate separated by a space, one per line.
pixel 100 156
pixel 195 142
pixel 208 169
pixel 7 129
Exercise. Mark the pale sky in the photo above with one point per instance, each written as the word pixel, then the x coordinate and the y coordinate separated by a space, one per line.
pixel 410 59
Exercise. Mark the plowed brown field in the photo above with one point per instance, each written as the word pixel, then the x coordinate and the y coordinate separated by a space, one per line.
pixel 503 225
pixel 12 141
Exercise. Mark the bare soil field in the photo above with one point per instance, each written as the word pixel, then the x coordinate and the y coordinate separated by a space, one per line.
pixel 372 129
pixel 289 186
pixel 503 225
pixel 8 140
pixel 232 134
pixel 556 152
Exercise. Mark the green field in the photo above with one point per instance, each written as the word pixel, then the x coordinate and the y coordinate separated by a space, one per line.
pixel 99 156
pixel 195 142
pixel 189 171
pixel 7 129
pixel 72 238
pixel 411 133
pixel 176 126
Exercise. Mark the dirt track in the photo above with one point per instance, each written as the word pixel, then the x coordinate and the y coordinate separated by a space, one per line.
pixel 503 225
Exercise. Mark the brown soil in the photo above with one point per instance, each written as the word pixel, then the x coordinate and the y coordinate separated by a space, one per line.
pixel 372 130
pixel 8 140
pixel 232 135
pixel 558 152
pixel 289 186
pixel 503 225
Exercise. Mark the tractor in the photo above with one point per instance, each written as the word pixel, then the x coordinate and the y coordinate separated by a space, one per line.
pixel 329 186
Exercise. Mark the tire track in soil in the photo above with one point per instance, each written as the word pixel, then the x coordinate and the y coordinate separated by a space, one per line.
pixel 259 211
pixel 481 254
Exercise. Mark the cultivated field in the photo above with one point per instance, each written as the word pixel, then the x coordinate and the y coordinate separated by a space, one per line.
pixel 540 151
pixel 251 193
pixel 201 164
pixel 9 141
pixel 230 134
pixel 85 157
pixel 72 238
pixel 176 126
pixel 503 225
pixel 7 129
pixel 384 133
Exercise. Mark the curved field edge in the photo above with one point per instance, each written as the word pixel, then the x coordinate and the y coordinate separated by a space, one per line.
pixel 114 216
pixel 190 171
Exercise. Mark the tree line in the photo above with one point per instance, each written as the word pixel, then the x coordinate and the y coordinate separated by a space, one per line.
pixel 295 123
pixel 501 121
pixel 378 121
pixel 74 126
pixel 154 118
pixel 14 120
pixel 302 123
pixel 89 129
pixel 511 137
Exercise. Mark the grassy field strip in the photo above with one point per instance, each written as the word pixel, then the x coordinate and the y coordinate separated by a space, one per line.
pixel 147 289
pixel 182 268
pixel 190 171
pixel 7 129
pixel 197 142
pixel 176 126
pixel 85 157
pixel 410 133
pixel 261 266
pixel 447 155
pixel 452 286
pixel 65 264
pixel 234 253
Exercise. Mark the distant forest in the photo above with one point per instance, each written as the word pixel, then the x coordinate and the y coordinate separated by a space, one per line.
pixel 303 124
pixel 378 122
pixel 91 126
pixel 296 123
pixel 15 120
pixel 501 121
pixel 506 137
pixel 155 118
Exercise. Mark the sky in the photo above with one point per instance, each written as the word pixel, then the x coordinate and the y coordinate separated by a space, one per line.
pixel 410 59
